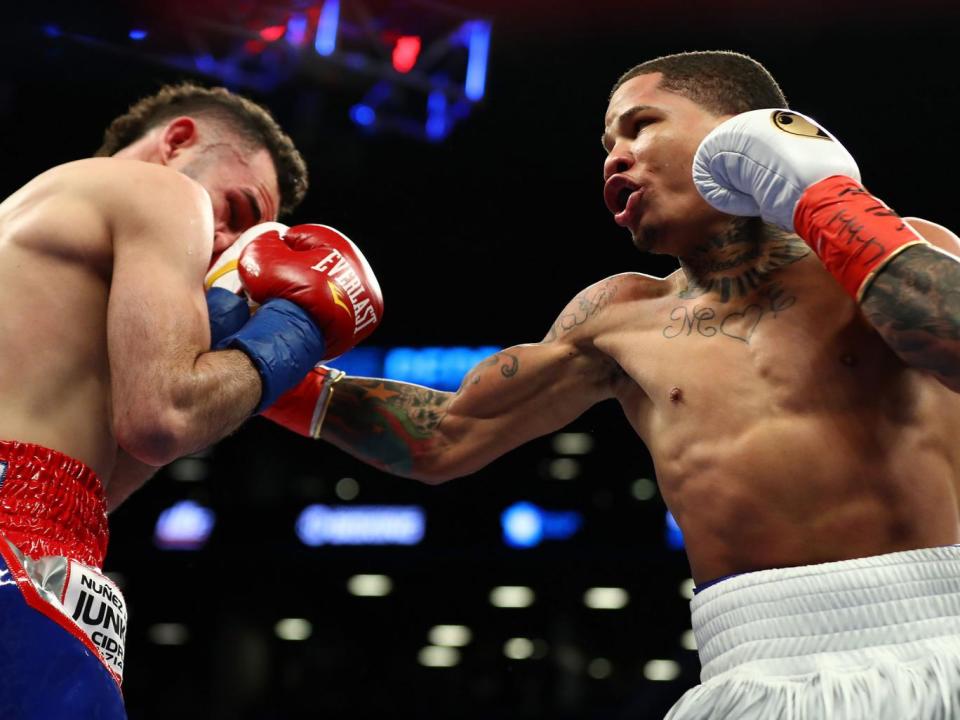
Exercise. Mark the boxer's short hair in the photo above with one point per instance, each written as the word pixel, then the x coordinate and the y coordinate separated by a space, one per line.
pixel 720 81
pixel 247 120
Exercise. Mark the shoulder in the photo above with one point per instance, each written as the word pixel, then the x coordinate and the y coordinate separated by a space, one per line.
pixel 128 188
pixel 935 234
pixel 595 308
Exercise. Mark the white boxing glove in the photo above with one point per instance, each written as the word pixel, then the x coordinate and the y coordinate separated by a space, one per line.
pixel 223 270
pixel 760 162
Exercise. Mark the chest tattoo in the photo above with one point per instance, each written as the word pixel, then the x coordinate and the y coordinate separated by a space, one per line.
pixel 736 323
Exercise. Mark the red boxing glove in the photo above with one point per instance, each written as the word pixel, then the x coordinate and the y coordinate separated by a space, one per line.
pixel 323 272
pixel 303 408
pixel 853 233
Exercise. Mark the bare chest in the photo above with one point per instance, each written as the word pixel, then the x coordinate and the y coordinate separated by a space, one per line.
pixel 798 346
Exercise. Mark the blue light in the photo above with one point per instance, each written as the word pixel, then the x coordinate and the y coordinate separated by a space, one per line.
pixel 522 525
pixel 206 64
pixel 360 362
pixel 674 535
pixel 326 41
pixel 297 29
pixel 363 115
pixel 361 525
pixel 526 525
pixel 436 127
pixel 52 31
pixel 184 526
pixel 442 368
pixel 137 34
pixel 478 47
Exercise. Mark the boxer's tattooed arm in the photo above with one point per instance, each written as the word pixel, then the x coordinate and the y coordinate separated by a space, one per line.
pixel 393 425
pixel 914 303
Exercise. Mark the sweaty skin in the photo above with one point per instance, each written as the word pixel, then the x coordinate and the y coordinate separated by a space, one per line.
pixel 102 308
pixel 784 428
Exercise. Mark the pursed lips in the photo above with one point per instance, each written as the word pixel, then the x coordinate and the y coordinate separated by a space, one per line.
pixel 622 196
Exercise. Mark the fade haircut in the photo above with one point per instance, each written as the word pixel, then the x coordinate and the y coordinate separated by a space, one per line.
pixel 252 124
pixel 720 81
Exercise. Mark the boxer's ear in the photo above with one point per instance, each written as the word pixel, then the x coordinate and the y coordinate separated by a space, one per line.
pixel 178 135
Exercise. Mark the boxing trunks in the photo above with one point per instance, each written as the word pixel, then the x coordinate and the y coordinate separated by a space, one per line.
pixel 875 638
pixel 62 622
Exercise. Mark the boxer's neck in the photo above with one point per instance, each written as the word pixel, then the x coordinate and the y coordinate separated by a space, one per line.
pixel 739 261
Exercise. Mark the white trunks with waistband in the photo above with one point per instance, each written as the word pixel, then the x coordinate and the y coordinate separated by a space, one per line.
pixel 876 638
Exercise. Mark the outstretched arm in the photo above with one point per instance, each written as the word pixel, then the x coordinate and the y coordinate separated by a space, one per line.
pixel 511 397
pixel 914 303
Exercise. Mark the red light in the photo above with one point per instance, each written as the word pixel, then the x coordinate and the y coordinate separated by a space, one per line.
pixel 273 32
pixel 254 47
pixel 405 53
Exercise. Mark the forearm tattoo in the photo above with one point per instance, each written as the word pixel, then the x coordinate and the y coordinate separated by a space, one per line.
pixel 393 425
pixel 914 303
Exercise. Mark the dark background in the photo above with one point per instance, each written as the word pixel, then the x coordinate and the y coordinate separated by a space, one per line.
pixel 480 239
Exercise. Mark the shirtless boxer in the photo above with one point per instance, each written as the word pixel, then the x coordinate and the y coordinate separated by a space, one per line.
pixel 106 366
pixel 802 412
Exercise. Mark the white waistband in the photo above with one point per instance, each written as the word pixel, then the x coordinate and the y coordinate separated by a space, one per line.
pixel 885 600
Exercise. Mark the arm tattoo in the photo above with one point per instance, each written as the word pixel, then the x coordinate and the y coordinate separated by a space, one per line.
pixel 393 425
pixel 585 306
pixel 914 303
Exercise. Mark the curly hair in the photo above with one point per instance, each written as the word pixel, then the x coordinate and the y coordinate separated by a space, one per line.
pixel 249 121
pixel 721 81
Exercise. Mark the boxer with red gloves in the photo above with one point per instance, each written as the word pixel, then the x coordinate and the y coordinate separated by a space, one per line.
pixel 107 366
pixel 801 410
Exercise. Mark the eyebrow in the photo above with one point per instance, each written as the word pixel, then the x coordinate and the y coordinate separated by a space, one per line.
pixel 623 117
pixel 252 199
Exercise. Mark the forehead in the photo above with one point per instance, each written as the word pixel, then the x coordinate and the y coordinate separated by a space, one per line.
pixel 644 90
pixel 257 168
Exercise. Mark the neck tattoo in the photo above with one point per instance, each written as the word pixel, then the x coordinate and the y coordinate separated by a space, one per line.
pixel 739 262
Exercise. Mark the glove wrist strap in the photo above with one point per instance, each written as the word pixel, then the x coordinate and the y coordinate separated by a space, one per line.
pixel 852 232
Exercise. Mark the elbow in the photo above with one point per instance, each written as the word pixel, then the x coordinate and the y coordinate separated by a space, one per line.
pixel 442 467
pixel 151 438
pixel 436 476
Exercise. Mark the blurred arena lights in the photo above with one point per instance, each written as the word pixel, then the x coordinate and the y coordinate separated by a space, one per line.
pixel 406 50
pixel 512 596
pixel 293 629
pixel 450 635
pixel 686 589
pixel 186 525
pixel 347 488
pixel 436 54
pixel 519 648
pixel 370 585
pixel 440 657
pixel 673 533
pixel 169 633
pixel 572 443
pixel 606 598
pixel 564 469
pixel 643 489
pixel 599 668
pixel 360 525
pixel 188 469
pixel 661 670
pixel 688 641
pixel 526 525
pixel 326 40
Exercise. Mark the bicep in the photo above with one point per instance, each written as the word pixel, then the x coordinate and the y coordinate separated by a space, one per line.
pixel 521 393
pixel 156 315
pixel 936 234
